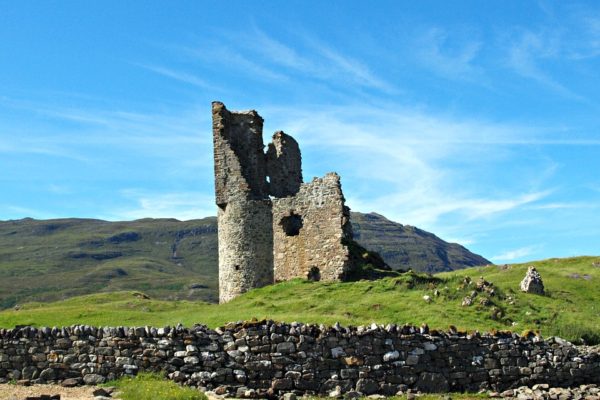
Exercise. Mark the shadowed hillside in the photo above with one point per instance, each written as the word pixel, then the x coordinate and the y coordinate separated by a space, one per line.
pixel 43 260
pixel 405 246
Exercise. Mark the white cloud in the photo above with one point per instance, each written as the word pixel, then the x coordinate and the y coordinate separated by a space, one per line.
pixel 570 40
pixel 528 51
pixel 225 56
pixel 179 205
pixel 22 144
pixel 404 155
pixel 512 255
pixel 433 50
pixel 161 134
pixel 564 206
pixel 258 55
pixel 358 72
pixel 178 75
pixel 59 189
pixel 13 211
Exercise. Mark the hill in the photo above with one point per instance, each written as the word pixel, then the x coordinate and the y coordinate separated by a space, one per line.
pixel 405 246
pixel 56 259
pixel 569 309
pixel 44 260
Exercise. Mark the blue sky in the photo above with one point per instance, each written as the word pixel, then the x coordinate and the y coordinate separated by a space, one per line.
pixel 477 121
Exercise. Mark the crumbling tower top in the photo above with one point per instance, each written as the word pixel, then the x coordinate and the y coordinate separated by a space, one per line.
pixel 284 165
pixel 240 171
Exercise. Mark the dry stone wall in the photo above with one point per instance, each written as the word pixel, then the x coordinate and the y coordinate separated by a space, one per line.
pixel 268 359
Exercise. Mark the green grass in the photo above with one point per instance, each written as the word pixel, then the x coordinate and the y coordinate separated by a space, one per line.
pixel 153 386
pixel 571 308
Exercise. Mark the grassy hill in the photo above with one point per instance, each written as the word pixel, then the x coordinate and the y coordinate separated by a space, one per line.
pixel 166 258
pixel 570 309
pixel 54 259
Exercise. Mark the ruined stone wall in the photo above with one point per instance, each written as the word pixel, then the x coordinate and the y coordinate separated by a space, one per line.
pixel 268 359
pixel 301 235
pixel 309 229
pixel 284 165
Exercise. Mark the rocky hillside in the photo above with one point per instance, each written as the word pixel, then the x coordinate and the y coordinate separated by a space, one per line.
pixel 405 246
pixel 43 260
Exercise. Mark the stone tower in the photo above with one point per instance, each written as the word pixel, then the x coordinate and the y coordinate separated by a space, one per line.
pixel 244 209
pixel 272 227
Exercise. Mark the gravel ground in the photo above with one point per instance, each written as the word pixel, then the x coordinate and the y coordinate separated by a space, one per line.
pixel 17 392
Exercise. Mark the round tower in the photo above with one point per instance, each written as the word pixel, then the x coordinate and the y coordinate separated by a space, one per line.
pixel 245 221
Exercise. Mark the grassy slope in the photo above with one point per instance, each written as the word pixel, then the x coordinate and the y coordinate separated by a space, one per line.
pixel 571 309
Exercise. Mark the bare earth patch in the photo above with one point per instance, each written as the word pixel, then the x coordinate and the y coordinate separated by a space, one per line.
pixel 17 392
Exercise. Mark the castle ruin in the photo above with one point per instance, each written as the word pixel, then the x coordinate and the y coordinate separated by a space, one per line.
pixel 272 226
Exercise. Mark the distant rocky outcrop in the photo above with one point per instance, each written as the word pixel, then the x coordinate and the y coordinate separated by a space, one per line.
pixel 532 283
pixel 405 246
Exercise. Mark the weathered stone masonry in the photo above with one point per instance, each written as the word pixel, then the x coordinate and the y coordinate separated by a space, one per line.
pixel 268 358
pixel 272 226
pixel 245 234
pixel 322 221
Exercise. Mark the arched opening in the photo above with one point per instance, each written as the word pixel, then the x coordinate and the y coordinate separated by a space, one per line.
pixel 314 274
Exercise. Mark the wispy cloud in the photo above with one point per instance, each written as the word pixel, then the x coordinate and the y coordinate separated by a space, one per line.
pixel 261 56
pixel 20 144
pixel 528 51
pixel 435 53
pixel 568 39
pixel 512 255
pixel 581 38
pixel 12 211
pixel 226 56
pixel 59 189
pixel 564 206
pixel 67 128
pixel 408 152
pixel 178 75
pixel 353 68
pixel 180 205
